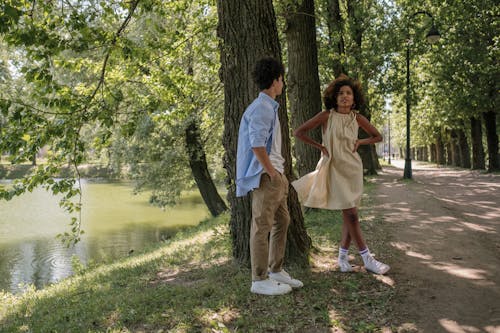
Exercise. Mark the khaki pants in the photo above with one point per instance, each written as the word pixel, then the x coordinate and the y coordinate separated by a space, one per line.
pixel 269 215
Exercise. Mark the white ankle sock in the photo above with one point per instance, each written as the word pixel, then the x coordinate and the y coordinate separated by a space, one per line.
pixel 343 251
pixel 365 254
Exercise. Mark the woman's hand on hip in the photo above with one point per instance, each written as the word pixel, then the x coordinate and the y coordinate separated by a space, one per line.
pixel 356 146
pixel 324 151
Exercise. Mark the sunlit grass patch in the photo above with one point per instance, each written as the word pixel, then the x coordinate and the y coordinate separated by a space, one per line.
pixel 190 284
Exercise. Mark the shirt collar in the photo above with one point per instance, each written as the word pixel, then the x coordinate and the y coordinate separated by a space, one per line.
pixel 268 99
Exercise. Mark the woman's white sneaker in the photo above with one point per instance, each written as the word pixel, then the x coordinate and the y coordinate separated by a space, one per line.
pixel 269 287
pixel 375 266
pixel 344 265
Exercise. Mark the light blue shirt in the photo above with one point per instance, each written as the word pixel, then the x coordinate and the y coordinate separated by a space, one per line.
pixel 256 130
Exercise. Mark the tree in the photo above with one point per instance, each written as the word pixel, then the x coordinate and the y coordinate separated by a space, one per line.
pixel 457 74
pixel 351 26
pixel 477 143
pixel 101 68
pixel 243 23
pixel 490 124
pixel 302 77
pixel 199 168
pixel 191 97
pixel 359 14
pixel 336 24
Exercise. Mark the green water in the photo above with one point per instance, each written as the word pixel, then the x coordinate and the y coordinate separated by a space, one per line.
pixel 115 221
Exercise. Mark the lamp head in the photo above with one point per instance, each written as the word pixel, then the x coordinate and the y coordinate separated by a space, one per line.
pixel 433 35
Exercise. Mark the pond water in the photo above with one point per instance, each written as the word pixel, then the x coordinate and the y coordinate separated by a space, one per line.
pixel 115 221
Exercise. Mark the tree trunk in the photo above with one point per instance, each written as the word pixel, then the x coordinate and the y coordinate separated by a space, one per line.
pixel 336 37
pixel 433 152
pixel 447 145
pixel 449 157
pixel 355 10
pixel 464 150
pixel 366 154
pixel 199 168
pixel 302 79
pixel 439 150
pixel 492 139
pixel 375 160
pixel 455 157
pixel 247 29
pixel 198 160
pixel 477 144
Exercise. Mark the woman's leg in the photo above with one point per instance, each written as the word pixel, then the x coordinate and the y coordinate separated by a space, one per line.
pixel 351 229
pixel 351 222
pixel 345 242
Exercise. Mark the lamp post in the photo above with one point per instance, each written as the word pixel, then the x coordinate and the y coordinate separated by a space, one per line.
pixel 389 161
pixel 432 37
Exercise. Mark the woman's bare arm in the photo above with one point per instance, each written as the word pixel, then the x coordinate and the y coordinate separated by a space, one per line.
pixel 374 134
pixel 301 131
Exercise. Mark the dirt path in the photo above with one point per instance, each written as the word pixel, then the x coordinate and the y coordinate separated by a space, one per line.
pixel 444 228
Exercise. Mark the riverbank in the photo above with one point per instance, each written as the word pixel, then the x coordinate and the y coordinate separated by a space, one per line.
pixel 10 171
pixel 189 284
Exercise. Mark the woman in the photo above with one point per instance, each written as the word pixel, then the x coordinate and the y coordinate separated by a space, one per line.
pixel 337 182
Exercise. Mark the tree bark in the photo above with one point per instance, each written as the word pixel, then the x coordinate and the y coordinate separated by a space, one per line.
pixel 439 150
pixel 198 160
pixel 492 140
pixel 433 152
pixel 477 144
pixel 336 37
pixel 247 29
pixel 455 159
pixel 367 152
pixel 302 79
pixel 375 160
pixel 464 150
pixel 449 157
pixel 356 30
pixel 199 169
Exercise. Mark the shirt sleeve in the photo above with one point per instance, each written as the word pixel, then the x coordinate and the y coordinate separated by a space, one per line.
pixel 259 126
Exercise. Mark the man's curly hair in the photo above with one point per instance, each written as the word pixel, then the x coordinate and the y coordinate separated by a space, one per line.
pixel 267 70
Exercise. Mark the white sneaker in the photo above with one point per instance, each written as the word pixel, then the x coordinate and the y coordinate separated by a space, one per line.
pixel 284 277
pixel 344 265
pixel 375 266
pixel 270 287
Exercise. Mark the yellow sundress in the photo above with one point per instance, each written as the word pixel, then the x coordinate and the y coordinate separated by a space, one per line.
pixel 337 182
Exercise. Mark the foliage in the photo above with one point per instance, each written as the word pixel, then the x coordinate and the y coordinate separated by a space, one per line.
pixel 110 81
pixel 181 85
pixel 368 37
pixel 454 79
pixel 117 82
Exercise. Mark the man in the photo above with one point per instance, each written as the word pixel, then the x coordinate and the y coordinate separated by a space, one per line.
pixel 259 170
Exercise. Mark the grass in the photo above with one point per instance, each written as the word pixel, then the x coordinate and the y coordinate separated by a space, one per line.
pixel 190 284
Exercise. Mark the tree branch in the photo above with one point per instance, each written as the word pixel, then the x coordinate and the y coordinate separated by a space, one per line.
pixel 133 6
